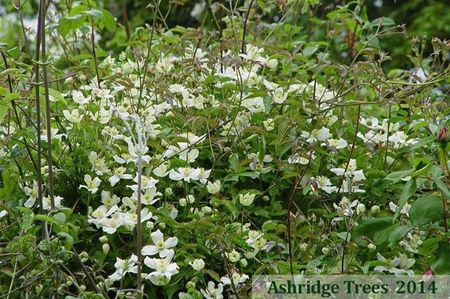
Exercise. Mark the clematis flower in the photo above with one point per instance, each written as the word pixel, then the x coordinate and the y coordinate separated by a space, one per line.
pixel 92 184
pixel 3 213
pixel 197 264
pixel 186 174
pixel 164 268
pixel 146 183
pixel 79 98
pixel 399 265
pixel 212 292
pixel 149 196
pixel 160 246
pixel 213 188
pixel 118 174
pixel 46 205
pixel 124 266
pixel 73 116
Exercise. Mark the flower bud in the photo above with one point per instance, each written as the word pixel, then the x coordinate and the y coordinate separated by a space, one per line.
pixel 183 202
pixel 168 192
pixel 197 264
pixel 428 275
pixel 443 136
pixel 360 209
pixel 84 256
pixel 190 284
pixel 375 209
pixel 371 246
pixel 103 239
pixel 105 248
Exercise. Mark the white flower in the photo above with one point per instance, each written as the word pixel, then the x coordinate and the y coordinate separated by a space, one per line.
pixel 197 264
pixel 321 134
pixel 345 207
pixel 160 246
pixel 164 269
pixel 325 184
pixel 91 184
pixel 254 104
pixel 160 171
pixel 180 89
pixel 337 143
pixel 360 209
pixel 203 175
pixel 212 292
pixel 148 198
pixel 405 210
pixel 269 124
pixel 213 188
pixel 109 200
pixel 186 154
pixel 79 98
pixel 123 267
pixel 234 256
pixel 118 174
pixel 146 183
pixel 73 116
pixel 101 213
pixel 46 204
pixel 279 96
pixel 236 277
pixel 184 173
pixel 398 265
pixel 3 213
pixel 246 199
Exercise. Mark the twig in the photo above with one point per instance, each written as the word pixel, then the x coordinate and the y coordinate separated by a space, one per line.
pixel 47 112
pixel 245 27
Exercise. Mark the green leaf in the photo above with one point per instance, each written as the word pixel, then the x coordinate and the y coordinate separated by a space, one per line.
pixel 443 187
pixel 408 190
pixel 441 265
pixel 426 209
pixel 372 225
pixel 429 246
pixel 4 107
pixel 382 236
pixel 227 204
pixel 67 24
pixel 398 175
pixel 108 21
pixel 60 218
pixel 308 51
pixel 398 234
pixel 97 14
pixel 45 218
pixel 12 96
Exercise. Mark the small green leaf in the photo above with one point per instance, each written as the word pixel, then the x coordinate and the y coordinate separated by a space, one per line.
pixel 426 209
pixel 398 175
pixel 67 24
pixel 441 265
pixel 408 191
pixel 443 187
pixel 398 234
pixel 4 107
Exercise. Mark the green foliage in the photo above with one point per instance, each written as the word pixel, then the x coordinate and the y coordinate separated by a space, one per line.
pixel 288 136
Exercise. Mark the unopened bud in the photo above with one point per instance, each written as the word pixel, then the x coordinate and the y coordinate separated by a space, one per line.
pixel 105 248
pixel 443 136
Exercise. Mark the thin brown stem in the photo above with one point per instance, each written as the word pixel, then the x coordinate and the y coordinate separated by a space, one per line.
pixel 47 112
pixel 38 115
pixel 245 27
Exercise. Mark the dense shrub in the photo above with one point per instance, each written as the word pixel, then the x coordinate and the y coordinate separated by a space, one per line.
pixel 187 160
